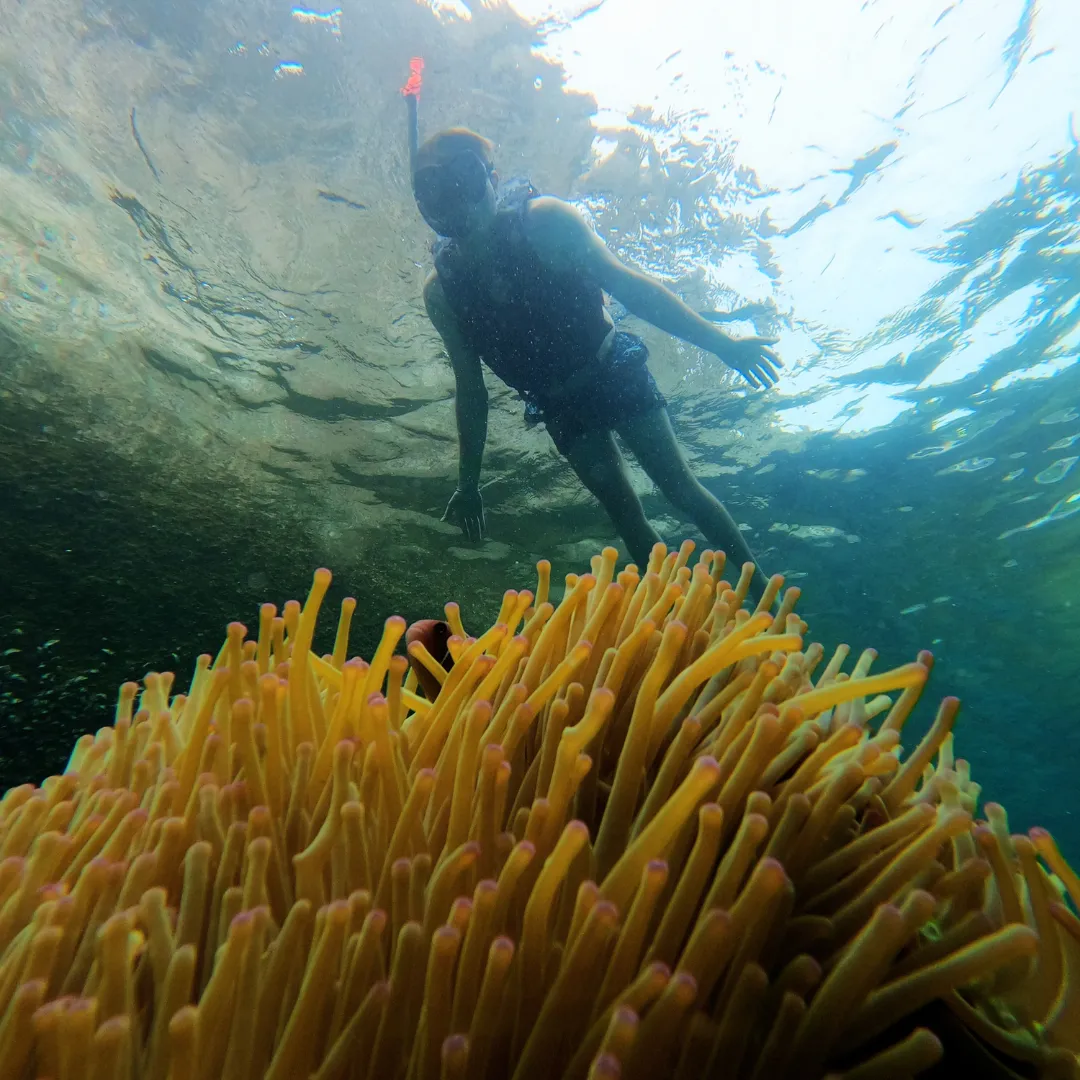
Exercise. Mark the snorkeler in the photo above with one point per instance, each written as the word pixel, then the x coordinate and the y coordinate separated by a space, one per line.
pixel 519 285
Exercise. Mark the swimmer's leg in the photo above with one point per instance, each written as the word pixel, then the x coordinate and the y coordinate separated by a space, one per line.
pixel 650 437
pixel 596 459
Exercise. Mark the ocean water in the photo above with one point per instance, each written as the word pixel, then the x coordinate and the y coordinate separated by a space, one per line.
pixel 216 373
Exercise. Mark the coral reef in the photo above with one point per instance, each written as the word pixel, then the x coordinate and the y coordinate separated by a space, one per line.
pixel 642 831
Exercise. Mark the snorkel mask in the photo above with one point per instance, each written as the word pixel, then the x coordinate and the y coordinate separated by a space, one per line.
pixel 445 192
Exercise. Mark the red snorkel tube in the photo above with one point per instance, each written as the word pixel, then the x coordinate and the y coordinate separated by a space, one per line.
pixel 411 92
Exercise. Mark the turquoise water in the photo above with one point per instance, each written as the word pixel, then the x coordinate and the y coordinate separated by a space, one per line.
pixel 210 322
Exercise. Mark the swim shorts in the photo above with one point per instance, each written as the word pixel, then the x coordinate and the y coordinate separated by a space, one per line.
pixel 623 388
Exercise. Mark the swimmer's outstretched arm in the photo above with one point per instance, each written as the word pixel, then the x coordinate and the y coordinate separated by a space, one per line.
pixel 563 239
pixel 466 508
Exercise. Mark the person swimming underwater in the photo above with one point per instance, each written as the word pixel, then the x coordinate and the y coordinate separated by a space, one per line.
pixel 518 284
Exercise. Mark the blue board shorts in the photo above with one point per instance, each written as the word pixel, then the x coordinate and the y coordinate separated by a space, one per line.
pixel 623 387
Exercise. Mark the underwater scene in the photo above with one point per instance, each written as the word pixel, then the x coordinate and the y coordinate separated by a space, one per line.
pixel 538 538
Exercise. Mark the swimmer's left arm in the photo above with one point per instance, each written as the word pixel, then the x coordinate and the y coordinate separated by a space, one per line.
pixel 563 239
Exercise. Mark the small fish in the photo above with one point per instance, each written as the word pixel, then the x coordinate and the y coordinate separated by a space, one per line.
pixel 914 607
pixel 330 196
pixel 142 147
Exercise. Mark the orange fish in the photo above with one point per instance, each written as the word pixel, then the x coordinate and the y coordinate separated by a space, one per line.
pixel 433 634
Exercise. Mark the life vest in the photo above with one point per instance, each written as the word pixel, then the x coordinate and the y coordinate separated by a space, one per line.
pixel 533 326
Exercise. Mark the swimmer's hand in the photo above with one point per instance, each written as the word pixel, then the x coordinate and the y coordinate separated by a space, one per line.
pixel 752 358
pixel 466 510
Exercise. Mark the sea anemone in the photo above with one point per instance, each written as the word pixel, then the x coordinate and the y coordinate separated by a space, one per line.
pixel 643 831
